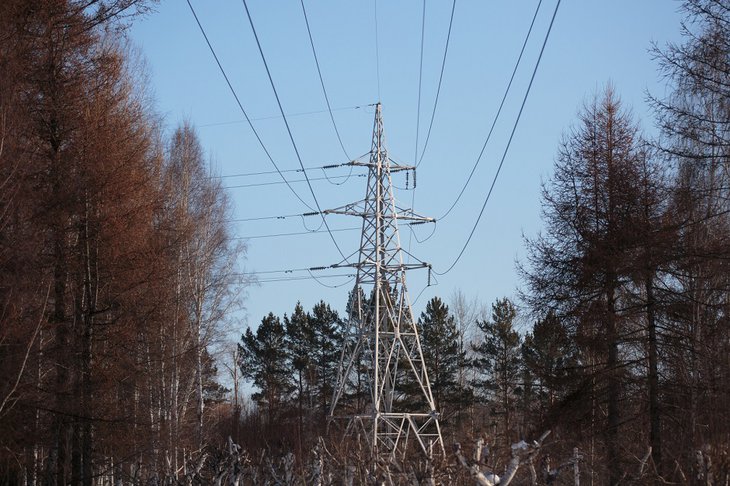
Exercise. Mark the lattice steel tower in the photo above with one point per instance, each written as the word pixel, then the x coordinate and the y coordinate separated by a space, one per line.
pixel 383 344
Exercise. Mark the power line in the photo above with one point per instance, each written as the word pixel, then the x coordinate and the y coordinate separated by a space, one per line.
pixel 317 279
pixel 297 233
pixel 274 183
pixel 509 143
pixel 263 218
pixel 274 117
pixel 250 174
pixel 438 88
pixel 253 174
pixel 279 217
pixel 429 284
pixel 416 160
pixel 321 167
pixel 269 272
pixel 420 80
pixel 424 240
pixel 496 116
pixel 293 270
pixel 347 177
pixel 295 278
pixel 288 129
pixel 349 276
pixel 298 215
pixel 321 80
pixel 240 105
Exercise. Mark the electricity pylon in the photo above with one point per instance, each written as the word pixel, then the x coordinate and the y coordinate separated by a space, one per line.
pixel 382 343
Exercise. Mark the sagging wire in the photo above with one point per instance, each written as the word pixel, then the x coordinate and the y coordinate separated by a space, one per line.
pixel 509 144
pixel 433 232
pixel 275 183
pixel 350 280
pixel 299 233
pixel 250 174
pixel 429 284
pixel 347 177
pixel 263 218
pixel 304 277
pixel 288 128
pixel 304 224
pixel 352 167
pixel 245 114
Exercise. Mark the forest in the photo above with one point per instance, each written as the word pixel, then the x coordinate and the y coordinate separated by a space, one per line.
pixel 119 273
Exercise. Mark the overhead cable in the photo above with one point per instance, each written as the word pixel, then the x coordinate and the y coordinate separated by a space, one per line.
pixel 317 279
pixel 421 241
pixel 264 218
pixel 251 174
pixel 273 183
pixel 240 105
pixel 321 80
pixel 438 88
pixel 496 116
pixel 274 117
pixel 418 113
pixel 509 142
pixel 420 80
pixel 303 215
pixel 297 233
pixel 288 128
pixel 292 270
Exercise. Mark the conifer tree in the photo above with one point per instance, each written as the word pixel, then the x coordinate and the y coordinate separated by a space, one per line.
pixel 357 311
pixel 300 342
pixel 582 267
pixel 498 361
pixel 549 354
pixel 328 331
pixel 442 356
pixel 263 359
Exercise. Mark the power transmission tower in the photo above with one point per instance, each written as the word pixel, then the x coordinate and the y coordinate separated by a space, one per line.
pixel 383 342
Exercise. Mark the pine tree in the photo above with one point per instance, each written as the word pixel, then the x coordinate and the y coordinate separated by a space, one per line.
pixel 549 354
pixel 328 329
pixel 300 342
pixel 213 391
pixel 357 311
pixel 263 359
pixel 442 357
pixel 498 362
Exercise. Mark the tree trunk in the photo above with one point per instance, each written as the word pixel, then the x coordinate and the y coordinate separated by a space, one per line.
pixel 654 412
pixel 90 298
pixel 614 391
pixel 62 348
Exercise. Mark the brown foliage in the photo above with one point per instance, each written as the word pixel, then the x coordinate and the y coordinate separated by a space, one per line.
pixel 100 332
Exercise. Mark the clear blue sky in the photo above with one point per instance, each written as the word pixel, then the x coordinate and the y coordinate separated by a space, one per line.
pixel 593 42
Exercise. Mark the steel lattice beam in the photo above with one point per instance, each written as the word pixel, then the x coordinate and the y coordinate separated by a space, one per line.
pixel 382 330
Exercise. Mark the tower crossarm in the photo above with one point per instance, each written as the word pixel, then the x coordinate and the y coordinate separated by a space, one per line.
pixel 350 210
pixel 388 268
pixel 392 169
